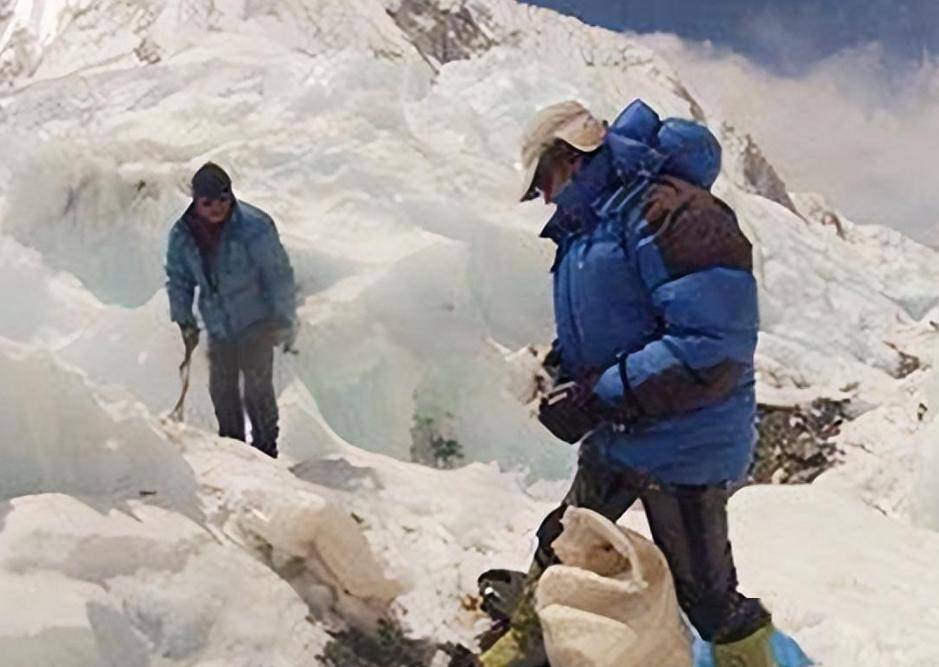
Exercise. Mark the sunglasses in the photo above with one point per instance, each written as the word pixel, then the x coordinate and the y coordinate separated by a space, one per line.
pixel 205 202
pixel 559 151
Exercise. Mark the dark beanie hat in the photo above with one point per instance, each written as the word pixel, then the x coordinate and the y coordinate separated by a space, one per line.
pixel 210 181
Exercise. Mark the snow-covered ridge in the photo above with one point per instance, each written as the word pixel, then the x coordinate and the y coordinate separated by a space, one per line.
pixel 384 144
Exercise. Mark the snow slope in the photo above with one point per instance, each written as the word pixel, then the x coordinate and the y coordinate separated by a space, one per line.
pixel 383 139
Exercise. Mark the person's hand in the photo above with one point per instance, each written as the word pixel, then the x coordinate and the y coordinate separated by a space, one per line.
pixel 573 410
pixel 190 334
pixel 285 336
pixel 567 413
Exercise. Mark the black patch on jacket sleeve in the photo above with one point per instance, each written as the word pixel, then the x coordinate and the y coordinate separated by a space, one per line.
pixel 680 389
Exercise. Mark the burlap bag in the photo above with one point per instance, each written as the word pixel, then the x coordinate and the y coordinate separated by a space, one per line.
pixel 612 602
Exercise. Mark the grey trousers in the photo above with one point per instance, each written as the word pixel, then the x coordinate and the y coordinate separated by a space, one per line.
pixel 251 358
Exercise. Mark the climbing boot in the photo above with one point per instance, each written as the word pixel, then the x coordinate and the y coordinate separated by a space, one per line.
pixel 767 647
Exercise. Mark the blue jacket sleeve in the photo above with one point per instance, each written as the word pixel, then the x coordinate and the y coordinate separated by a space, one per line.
pixel 697 266
pixel 180 283
pixel 276 273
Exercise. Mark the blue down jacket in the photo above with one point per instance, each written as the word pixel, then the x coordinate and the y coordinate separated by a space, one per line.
pixel 247 280
pixel 666 314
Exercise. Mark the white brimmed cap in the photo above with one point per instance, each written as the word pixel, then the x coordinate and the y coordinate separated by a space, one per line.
pixel 568 121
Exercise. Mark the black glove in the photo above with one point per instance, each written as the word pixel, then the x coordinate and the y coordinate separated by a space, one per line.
pixel 566 412
pixel 190 334
pixel 573 410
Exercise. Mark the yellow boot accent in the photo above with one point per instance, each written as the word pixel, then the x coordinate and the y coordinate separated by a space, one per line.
pixel 504 653
pixel 752 651
pixel 523 645
pixel 508 653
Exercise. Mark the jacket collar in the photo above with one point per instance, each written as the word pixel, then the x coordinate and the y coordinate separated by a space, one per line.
pixel 621 162
pixel 575 211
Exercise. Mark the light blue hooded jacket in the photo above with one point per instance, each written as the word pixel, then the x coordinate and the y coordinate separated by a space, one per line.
pixel 246 281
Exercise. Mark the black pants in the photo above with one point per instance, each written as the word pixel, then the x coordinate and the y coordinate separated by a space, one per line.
pixel 689 525
pixel 251 357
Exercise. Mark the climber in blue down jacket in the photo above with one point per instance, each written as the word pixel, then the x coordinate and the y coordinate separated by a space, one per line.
pixel 656 316
pixel 232 253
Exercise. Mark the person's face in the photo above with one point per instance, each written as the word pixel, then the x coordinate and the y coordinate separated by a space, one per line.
pixel 214 210
pixel 555 170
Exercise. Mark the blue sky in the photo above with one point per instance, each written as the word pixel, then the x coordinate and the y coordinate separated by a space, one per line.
pixel 785 36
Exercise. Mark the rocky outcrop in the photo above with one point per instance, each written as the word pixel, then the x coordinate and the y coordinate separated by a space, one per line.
pixel 814 208
pixel 19 57
pixel 796 443
pixel 756 174
pixel 442 34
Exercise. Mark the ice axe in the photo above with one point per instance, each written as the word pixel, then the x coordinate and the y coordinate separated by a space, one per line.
pixel 177 413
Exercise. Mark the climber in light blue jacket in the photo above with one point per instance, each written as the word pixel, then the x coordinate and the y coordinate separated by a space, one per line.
pixel 230 252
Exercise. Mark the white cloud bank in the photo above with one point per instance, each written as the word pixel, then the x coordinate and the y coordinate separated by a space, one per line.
pixel 864 134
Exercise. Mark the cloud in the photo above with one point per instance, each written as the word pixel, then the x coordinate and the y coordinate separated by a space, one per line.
pixel 855 126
